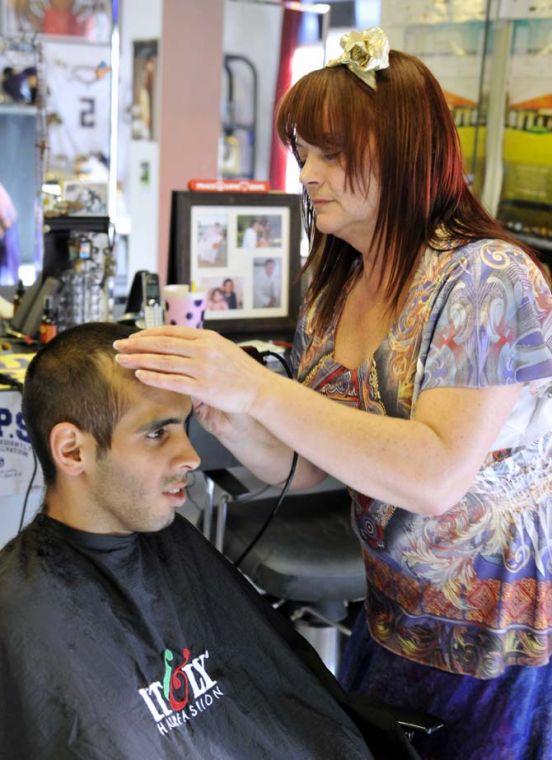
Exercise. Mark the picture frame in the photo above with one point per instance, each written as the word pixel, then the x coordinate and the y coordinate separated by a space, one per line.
pixel 243 250
pixel 144 85
pixel 82 20
pixel 87 198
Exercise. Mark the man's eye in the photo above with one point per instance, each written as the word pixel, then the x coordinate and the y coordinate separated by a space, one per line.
pixel 156 435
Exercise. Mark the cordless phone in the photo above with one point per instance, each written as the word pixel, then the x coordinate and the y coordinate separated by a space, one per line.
pixel 151 300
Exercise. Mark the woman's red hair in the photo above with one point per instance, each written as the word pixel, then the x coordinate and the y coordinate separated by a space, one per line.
pixel 424 198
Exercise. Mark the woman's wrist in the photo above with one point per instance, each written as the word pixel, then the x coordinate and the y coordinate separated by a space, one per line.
pixel 266 395
pixel 236 429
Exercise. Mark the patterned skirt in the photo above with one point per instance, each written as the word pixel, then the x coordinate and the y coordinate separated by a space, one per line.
pixel 504 718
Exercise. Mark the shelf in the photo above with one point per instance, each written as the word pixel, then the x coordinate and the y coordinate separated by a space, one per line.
pixel 17 109
pixel 542 245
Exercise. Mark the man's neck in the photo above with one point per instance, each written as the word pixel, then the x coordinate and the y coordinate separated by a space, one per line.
pixel 72 507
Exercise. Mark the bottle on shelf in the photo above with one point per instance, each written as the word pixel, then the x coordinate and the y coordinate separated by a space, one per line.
pixel 48 325
pixel 18 296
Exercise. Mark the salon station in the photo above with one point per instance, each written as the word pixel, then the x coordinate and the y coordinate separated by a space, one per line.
pixel 144 183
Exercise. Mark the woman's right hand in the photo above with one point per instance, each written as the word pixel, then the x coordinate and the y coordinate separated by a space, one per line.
pixel 222 425
pixel 248 441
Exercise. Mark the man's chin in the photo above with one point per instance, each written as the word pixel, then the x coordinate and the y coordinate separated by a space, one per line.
pixel 168 520
pixel 154 526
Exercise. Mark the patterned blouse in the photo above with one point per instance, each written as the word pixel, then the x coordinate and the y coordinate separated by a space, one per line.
pixel 470 591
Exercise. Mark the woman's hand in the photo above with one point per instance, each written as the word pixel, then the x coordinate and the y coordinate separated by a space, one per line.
pixel 225 384
pixel 212 420
pixel 224 426
pixel 199 363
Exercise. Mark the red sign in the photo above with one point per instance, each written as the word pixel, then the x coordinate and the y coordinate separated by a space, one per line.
pixel 229 185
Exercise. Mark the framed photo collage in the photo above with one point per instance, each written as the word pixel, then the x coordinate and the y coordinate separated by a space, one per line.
pixel 242 250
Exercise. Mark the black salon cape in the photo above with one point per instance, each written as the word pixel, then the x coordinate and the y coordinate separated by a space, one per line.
pixel 152 646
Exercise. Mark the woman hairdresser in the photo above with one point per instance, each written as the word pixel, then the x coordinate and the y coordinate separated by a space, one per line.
pixel 432 328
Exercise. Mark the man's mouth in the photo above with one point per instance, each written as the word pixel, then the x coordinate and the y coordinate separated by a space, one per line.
pixel 176 491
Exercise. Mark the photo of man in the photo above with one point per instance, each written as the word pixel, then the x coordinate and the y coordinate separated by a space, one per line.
pixel 230 295
pixel 267 283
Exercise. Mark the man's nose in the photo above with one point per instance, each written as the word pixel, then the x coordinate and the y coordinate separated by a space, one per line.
pixel 186 457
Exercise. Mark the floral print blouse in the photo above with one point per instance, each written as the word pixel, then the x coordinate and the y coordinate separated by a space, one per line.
pixel 470 591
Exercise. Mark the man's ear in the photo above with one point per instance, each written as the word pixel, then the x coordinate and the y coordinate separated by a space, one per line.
pixel 71 448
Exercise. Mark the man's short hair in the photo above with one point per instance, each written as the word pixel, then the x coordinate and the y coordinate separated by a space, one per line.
pixel 69 381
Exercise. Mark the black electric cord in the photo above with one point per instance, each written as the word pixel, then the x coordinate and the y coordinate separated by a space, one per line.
pixel 272 514
pixel 25 501
pixel 13 383
pixel 260 356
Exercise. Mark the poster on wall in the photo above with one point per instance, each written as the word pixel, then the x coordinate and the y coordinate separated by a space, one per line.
pixel 431 12
pixel 242 251
pixel 66 18
pixel 144 76
pixel 79 85
pixel 16 457
pixel 526 198
pixel 454 54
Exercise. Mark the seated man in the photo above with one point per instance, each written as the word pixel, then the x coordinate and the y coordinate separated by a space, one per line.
pixel 123 633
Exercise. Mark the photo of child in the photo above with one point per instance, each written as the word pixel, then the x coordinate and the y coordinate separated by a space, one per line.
pixel 223 293
pixel 216 301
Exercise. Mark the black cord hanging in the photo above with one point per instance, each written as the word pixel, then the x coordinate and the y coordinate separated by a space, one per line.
pixel 260 356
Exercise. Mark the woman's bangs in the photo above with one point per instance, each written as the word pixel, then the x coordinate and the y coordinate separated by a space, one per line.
pixel 301 109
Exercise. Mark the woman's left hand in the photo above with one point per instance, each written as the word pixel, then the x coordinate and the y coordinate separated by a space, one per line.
pixel 199 363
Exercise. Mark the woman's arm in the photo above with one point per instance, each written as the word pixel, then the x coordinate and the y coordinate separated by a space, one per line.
pixel 424 465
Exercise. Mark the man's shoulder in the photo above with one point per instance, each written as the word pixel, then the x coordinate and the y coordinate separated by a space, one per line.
pixel 21 587
pixel 14 561
pixel 28 588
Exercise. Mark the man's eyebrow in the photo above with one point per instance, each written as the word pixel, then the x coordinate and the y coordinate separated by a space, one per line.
pixel 162 422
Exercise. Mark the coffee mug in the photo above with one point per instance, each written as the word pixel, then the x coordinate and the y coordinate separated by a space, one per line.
pixel 183 307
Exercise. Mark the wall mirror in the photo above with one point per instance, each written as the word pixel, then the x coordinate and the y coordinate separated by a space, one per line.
pixel 22 154
pixel 55 120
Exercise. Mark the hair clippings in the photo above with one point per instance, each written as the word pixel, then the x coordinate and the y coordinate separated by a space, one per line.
pixel 364 53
